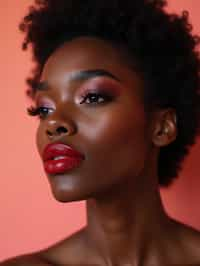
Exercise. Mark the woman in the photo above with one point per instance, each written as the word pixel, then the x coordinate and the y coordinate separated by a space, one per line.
pixel 116 88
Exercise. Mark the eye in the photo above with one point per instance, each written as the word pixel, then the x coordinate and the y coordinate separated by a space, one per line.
pixel 41 112
pixel 96 98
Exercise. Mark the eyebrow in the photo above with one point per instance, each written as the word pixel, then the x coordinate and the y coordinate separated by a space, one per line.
pixel 80 76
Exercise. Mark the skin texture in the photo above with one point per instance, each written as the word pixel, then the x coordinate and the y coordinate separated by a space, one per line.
pixel 126 222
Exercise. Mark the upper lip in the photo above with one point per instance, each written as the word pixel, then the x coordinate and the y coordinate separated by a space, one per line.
pixel 59 149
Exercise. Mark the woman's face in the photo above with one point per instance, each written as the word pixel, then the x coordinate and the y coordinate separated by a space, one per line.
pixel 110 130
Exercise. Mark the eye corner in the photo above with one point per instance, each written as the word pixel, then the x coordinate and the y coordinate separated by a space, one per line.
pixel 32 111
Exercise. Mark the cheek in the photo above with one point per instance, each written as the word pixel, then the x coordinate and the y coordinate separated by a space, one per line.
pixel 40 140
pixel 120 145
pixel 115 146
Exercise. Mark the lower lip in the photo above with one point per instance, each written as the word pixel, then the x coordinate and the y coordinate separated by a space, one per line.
pixel 62 165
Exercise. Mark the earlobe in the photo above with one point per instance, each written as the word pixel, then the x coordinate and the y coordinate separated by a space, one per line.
pixel 165 130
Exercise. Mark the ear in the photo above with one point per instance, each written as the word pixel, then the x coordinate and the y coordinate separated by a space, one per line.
pixel 164 127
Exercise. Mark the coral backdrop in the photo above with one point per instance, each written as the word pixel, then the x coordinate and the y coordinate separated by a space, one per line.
pixel 30 217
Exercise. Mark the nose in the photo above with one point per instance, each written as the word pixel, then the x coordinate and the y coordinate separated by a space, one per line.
pixel 55 129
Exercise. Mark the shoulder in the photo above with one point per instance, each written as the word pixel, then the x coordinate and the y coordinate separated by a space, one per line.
pixel 188 239
pixel 63 252
pixel 26 260
pixel 192 241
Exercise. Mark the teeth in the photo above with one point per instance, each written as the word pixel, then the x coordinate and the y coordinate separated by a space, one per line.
pixel 59 157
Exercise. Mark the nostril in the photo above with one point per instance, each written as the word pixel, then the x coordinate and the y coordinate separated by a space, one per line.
pixel 49 133
pixel 58 131
pixel 61 130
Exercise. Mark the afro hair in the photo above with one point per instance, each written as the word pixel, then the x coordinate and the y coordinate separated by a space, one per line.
pixel 161 43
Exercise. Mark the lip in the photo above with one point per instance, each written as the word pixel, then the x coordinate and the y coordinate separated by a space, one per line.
pixel 71 158
pixel 60 149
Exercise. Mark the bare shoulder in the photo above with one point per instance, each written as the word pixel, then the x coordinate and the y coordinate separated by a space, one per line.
pixel 73 250
pixel 65 251
pixel 189 241
pixel 60 253
pixel 26 260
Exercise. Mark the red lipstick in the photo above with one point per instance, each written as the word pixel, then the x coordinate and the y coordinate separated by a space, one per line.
pixel 59 158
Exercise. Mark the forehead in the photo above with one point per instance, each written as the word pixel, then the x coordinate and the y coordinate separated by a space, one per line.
pixel 88 50
pixel 89 53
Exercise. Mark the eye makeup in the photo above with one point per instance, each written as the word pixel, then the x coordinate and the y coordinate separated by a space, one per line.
pixel 42 105
pixel 45 102
pixel 105 88
pixel 101 86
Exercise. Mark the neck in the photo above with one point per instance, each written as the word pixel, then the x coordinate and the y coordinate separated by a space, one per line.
pixel 124 223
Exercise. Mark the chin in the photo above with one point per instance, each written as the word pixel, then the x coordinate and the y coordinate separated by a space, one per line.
pixel 66 196
pixel 64 199
pixel 71 188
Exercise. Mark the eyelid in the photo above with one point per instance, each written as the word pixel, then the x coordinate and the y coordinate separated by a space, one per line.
pixel 95 91
pixel 45 102
pixel 101 86
pixel 104 87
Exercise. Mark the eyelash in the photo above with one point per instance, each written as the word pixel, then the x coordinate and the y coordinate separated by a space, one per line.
pixel 38 111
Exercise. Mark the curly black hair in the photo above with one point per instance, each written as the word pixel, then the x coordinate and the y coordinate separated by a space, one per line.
pixel 161 43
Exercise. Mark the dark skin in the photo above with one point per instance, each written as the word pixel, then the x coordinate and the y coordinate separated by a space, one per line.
pixel 126 221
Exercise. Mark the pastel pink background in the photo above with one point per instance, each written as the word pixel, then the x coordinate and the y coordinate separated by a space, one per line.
pixel 30 218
